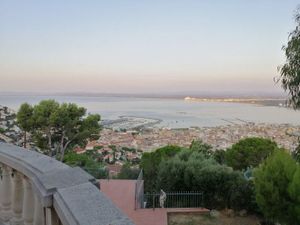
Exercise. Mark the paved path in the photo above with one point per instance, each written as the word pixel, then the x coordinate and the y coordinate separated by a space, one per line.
pixel 122 193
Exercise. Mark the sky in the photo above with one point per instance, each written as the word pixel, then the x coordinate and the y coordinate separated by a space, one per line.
pixel 139 46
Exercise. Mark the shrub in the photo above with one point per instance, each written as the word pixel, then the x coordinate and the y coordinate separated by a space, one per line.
pixel 277 186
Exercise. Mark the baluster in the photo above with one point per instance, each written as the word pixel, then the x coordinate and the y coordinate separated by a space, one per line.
pixel 1 187
pixel 6 194
pixel 38 218
pixel 51 217
pixel 17 202
pixel 28 203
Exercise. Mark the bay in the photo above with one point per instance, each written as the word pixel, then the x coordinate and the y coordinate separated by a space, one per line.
pixel 173 113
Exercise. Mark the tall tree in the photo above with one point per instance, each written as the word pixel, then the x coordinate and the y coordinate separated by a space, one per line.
pixel 44 130
pixel 57 127
pixel 277 188
pixel 294 192
pixel 290 71
pixel 72 128
pixel 25 120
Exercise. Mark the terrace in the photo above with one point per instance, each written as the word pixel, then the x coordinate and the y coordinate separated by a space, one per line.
pixel 38 190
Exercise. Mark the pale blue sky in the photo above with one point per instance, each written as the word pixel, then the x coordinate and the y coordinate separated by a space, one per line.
pixel 143 46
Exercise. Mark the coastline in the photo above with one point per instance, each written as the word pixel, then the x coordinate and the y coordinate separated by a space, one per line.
pixel 281 102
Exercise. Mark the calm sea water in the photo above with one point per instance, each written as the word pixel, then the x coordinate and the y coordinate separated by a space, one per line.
pixel 174 113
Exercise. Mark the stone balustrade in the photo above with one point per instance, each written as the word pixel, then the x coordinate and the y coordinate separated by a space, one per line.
pixel 38 190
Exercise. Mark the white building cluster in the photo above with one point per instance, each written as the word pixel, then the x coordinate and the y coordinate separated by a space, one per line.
pixel 220 137
pixel 9 131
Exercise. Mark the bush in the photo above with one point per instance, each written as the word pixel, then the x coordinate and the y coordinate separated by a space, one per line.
pixel 150 162
pixel 277 186
pixel 296 153
pixel 243 196
pixel 128 173
pixel 219 156
pixel 87 163
pixel 220 185
pixel 199 146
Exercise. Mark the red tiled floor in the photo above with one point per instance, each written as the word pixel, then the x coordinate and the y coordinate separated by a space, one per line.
pixel 122 193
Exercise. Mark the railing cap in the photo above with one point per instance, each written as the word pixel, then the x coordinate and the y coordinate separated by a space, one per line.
pixel 90 197
pixel 28 161
pixel 75 198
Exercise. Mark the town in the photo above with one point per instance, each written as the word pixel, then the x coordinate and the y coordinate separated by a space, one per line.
pixel 126 139
pixel 118 147
pixel 9 131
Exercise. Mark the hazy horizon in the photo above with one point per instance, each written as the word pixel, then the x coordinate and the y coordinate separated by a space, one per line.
pixel 261 95
pixel 143 47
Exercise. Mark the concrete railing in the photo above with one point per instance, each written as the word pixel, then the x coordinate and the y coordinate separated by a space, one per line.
pixel 38 190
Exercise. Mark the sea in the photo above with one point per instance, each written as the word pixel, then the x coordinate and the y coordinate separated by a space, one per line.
pixel 171 112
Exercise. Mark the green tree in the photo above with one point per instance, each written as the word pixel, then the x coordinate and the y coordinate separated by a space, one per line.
pixel 87 163
pixel 199 146
pixel 73 128
pixel 219 155
pixel 296 153
pixel 150 162
pixel 277 185
pixel 129 173
pixel 242 195
pixel 294 192
pixel 44 130
pixel 220 185
pixel 57 127
pixel 249 152
pixel 290 71
pixel 25 120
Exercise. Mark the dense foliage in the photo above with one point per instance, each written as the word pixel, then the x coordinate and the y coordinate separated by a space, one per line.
pixel 296 153
pixel 277 184
pixel 199 146
pixel 290 71
pixel 128 172
pixel 249 152
pixel 193 171
pixel 56 127
pixel 219 155
pixel 199 169
pixel 150 162
pixel 25 120
pixel 87 163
